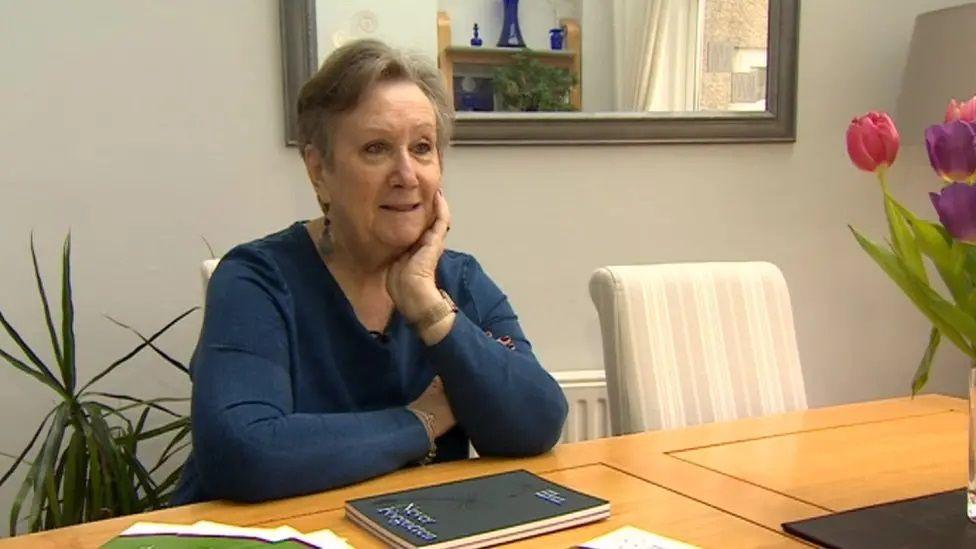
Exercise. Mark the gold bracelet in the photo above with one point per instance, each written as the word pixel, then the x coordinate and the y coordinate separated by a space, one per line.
pixel 427 419
pixel 436 313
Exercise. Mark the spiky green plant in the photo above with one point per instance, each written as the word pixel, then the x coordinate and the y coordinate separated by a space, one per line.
pixel 87 467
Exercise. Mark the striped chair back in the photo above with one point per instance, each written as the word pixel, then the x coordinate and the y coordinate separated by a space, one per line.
pixel 206 271
pixel 693 343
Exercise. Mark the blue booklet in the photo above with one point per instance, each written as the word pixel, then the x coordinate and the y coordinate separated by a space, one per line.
pixel 477 512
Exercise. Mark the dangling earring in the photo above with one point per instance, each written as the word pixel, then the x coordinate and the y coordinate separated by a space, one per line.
pixel 326 244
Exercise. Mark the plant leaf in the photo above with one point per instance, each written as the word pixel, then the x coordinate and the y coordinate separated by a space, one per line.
pixel 45 473
pixel 117 473
pixel 902 239
pixel 136 402
pixel 47 309
pixel 159 351
pixel 167 456
pixel 171 448
pixel 21 494
pixel 171 426
pixel 94 495
pixel 31 355
pixel 140 425
pixel 167 483
pixel 16 363
pixel 73 484
pixel 144 479
pixel 139 348
pixel 937 245
pixel 922 372
pixel 209 247
pixel 54 517
pixel 927 301
pixel 68 370
pixel 23 453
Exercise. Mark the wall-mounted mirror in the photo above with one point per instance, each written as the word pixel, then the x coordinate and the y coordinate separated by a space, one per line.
pixel 603 71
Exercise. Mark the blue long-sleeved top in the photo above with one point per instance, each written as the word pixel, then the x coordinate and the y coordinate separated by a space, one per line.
pixel 293 395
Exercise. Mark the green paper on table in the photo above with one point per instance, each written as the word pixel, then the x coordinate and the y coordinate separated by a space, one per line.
pixel 213 535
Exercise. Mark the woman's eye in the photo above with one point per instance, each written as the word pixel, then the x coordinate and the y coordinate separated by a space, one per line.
pixel 423 148
pixel 374 148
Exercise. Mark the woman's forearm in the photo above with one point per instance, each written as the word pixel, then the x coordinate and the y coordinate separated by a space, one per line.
pixel 506 402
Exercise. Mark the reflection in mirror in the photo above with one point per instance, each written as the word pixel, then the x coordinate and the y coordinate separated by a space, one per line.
pixel 579 55
pixel 622 71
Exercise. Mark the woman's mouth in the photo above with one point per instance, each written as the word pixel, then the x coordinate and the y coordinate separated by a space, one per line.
pixel 401 208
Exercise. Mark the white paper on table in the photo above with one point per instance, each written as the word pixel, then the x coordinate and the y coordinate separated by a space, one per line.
pixel 324 539
pixel 629 537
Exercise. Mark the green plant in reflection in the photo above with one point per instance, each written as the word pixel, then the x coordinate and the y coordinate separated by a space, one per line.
pixel 530 85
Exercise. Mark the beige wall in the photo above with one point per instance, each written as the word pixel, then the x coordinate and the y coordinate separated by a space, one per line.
pixel 142 125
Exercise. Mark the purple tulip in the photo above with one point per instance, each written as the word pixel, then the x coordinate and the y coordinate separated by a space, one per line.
pixel 952 150
pixel 956 205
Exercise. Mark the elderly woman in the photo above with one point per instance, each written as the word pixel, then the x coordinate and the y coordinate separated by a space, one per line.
pixel 352 345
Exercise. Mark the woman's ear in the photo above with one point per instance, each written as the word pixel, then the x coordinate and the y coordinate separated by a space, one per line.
pixel 315 166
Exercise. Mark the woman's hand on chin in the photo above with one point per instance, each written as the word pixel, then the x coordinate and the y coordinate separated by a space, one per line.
pixel 411 280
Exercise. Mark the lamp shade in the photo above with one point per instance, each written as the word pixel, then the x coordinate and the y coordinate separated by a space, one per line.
pixel 941 65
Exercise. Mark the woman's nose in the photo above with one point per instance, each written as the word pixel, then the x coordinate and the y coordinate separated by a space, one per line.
pixel 405 173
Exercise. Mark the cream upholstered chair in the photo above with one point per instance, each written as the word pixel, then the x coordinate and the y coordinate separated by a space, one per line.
pixel 693 343
pixel 206 271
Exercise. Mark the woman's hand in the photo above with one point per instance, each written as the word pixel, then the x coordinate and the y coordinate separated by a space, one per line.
pixel 411 282
pixel 434 401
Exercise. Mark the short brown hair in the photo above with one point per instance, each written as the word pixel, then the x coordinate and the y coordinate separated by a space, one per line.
pixel 351 70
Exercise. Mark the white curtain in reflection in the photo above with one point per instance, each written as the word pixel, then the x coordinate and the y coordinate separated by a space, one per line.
pixel 655 54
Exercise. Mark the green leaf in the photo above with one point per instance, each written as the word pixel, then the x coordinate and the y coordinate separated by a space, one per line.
pixel 209 247
pixel 47 309
pixel 23 453
pixel 922 372
pixel 169 455
pixel 136 402
pixel 40 376
pixel 116 472
pixel 168 483
pixel 68 370
pixel 21 495
pixel 149 489
pixel 171 447
pixel 94 497
pixel 73 484
pixel 159 351
pixel 952 322
pixel 140 425
pixel 51 484
pixel 139 348
pixel 45 473
pixel 947 258
pixel 171 426
pixel 31 355
pixel 902 239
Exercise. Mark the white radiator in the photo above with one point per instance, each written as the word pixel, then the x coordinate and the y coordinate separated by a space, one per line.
pixel 589 414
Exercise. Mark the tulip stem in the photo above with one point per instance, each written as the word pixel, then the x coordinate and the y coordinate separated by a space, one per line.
pixel 880 172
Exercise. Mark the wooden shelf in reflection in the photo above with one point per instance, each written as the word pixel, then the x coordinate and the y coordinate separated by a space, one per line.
pixel 449 55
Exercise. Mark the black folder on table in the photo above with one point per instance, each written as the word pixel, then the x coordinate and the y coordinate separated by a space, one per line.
pixel 933 521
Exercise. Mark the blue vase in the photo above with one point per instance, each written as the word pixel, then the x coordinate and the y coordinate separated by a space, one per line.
pixel 556 38
pixel 511 36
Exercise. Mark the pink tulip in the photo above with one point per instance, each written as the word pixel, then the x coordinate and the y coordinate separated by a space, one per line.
pixel 965 111
pixel 872 141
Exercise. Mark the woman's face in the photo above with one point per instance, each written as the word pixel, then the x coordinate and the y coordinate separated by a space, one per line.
pixel 385 170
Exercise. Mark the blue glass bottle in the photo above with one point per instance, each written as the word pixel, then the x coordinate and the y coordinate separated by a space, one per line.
pixel 476 40
pixel 511 36
pixel 556 38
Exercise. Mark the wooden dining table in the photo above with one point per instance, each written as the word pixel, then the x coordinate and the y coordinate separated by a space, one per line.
pixel 728 484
